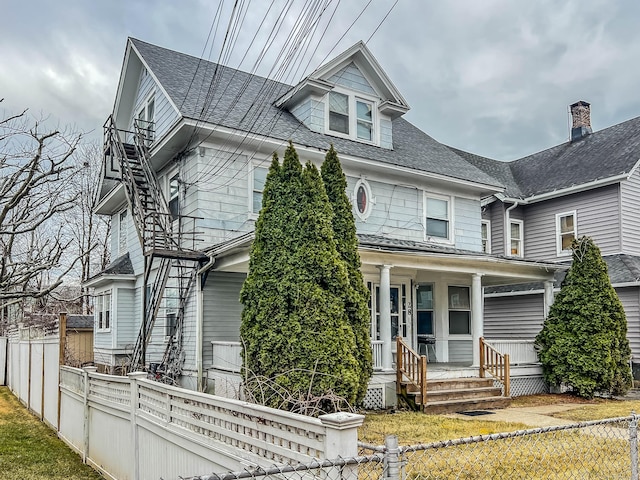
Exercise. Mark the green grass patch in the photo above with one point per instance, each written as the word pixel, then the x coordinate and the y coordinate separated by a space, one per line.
pixel 29 450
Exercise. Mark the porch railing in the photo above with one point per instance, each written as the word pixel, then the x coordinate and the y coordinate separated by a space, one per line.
pixel 521 352
pixel 496 364
pixel 413 367
pixel 376 353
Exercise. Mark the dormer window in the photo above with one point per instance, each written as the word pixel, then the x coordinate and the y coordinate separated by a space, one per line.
pixel 365 120
pixel 351 117
pixel 339 112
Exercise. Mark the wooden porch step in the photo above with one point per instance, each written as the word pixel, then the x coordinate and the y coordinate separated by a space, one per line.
pixel 453 406
pixel 455 395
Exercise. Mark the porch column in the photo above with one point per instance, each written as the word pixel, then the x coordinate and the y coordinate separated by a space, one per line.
pixel 477 316
pixel 548 297
pixel 385 316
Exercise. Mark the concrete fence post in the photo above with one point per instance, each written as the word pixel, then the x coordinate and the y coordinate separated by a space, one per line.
pixel 633 444
pixel 134 377
pixel 391 458
pixel 341 441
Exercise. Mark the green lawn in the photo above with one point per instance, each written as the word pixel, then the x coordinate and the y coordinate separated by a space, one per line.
pixel 29 450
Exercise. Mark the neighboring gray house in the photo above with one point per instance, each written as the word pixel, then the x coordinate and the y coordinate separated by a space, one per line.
pixel 186 154
pixel 589 186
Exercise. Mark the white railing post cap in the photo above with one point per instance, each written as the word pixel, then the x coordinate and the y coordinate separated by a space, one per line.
pixel 90 369
pixel 342 420
pixel 137 375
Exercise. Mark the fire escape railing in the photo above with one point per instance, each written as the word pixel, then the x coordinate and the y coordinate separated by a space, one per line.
pixel 158 238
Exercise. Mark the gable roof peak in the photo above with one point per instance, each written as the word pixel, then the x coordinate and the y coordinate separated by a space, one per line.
pixel 319 81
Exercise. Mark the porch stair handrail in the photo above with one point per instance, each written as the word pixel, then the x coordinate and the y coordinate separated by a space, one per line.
pixel 412 366
pixel 496 364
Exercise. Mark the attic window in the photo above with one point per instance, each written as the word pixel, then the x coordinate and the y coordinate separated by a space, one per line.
pixel 365 120
pixel 339 112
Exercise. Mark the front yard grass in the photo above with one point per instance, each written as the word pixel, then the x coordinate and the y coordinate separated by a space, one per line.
pixel 29 450
pixel 587 453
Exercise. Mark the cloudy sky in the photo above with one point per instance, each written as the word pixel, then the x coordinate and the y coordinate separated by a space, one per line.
pixel 494 77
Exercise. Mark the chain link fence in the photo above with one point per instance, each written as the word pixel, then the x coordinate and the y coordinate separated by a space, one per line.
pixel 602 449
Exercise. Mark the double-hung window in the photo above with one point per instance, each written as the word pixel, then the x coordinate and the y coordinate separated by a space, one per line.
pixel 485 234
pixel 122 232
pixel 459 311
pixel 364 127
pixel 339 112
pixel 174 196
pixel 515 242
pixel 566 232
pixel 103 310
pixel 146 117
pixel 171 304
pixel 351 116
pixel 259 177
pixel 437 218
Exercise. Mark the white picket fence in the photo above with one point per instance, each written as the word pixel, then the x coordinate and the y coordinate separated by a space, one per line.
pixel 135 428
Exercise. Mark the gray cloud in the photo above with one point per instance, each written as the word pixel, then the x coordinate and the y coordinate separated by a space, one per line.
pixel 494 77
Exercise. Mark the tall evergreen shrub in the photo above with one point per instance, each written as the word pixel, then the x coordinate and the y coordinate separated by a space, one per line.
pixel 295 328
pixel 583 343
pixel 356 296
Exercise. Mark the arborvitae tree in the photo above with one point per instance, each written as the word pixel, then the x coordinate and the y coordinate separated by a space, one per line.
pixel 295 330
pixel 356 296
pixel 583 343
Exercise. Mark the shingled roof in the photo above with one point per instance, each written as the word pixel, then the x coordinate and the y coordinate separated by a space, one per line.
pixel 622 269
pixel 245 102
pixel 605 154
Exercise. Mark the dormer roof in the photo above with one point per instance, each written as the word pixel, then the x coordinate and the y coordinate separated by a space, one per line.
pixel 323 80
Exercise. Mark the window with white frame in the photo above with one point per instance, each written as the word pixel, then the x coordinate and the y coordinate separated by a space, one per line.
pixel 258 179
pixel 566 232
pixel 351 116
pixel 339 112
pixel 146 118
pixel 174 196
pixel 171 304
pixel 364 128
pixel 459 311
pixel 362 199
pixel 122 232
pixel 103 310
pixel 515 241
pixel 485 234
pixel 437 217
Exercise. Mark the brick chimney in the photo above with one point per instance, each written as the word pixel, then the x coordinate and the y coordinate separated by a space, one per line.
pixel 581 120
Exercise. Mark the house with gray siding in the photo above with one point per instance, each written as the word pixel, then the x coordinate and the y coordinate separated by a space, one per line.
pixel 589 185
pixel 187 149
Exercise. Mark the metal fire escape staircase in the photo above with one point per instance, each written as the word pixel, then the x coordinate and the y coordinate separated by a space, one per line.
pixel 163 245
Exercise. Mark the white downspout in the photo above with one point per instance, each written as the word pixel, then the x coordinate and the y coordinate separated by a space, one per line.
pixel 200 324
pixel 507 227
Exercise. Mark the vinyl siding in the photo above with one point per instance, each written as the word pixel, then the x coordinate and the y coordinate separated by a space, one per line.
pixel 396 210
pixel 311 113
pixel 467 218
pixel 460 351
pixel 597 217
pixel 351 77
pixel 189 328
pixel 386 133
pixel 494 212
pixel 223 194
pixel 629 204
pixel 222 310
pixel 514 317
pixel 126 317
pixel 164 115
pixel 630 298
